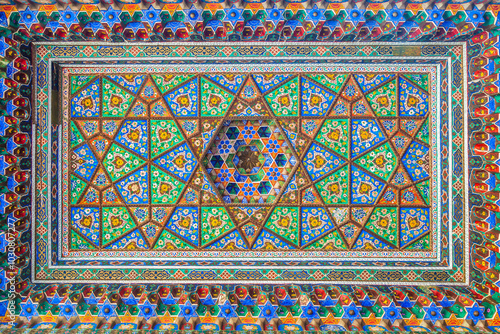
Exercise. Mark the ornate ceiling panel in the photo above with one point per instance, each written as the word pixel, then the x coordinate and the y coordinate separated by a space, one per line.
pixel 343 180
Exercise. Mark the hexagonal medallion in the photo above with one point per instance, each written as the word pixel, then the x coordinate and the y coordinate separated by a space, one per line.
pixel 249 161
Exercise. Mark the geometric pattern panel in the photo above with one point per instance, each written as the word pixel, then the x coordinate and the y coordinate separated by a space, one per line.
pixel 184 162
pixel 171 171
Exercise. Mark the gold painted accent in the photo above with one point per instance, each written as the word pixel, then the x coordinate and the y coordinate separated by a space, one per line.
pixel 407 51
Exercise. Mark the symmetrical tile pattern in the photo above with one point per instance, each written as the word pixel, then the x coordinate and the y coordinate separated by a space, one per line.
pixel 323 161
pixel 256 308
pixel 210 230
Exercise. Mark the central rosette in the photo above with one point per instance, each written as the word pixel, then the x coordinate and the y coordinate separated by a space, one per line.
pixel 249 161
